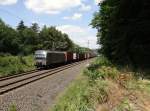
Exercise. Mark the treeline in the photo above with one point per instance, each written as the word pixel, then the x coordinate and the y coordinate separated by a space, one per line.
pixel 124 31
pixel 25 40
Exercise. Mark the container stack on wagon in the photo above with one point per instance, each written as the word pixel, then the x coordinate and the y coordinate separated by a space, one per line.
pixel 69 57
pixel 81 57
pixel 75 57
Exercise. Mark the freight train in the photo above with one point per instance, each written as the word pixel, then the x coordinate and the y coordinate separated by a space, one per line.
pixel 45 58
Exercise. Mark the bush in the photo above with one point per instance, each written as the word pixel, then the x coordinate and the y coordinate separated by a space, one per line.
pixel 93 75
pixel 99 62
pixel 10 65
pixel 101 69
pixel 109 72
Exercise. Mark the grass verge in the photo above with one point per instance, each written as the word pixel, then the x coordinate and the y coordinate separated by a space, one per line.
pixel 82 96
pixel 104 87
pixel 10 65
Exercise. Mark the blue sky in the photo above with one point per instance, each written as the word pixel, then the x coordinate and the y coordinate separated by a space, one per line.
pixel 70 16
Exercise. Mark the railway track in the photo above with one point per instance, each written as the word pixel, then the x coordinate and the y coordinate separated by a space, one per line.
pixel 17 75
pixel 10 83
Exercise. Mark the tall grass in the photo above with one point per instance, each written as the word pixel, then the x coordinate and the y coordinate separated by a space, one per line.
pixel 10 65
pixel 101 69
pixel 74 98
pixel 12 108
pixel 124 106
pixel 86 92
pixel 81 96
pixel 95 86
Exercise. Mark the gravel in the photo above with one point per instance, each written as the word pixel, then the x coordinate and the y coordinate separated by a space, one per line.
pixel 40 95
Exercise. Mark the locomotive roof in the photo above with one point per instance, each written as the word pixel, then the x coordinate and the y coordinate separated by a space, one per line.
pixel 48 51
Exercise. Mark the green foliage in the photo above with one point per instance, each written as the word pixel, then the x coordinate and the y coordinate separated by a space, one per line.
pixel 25 40
pixel 13 108
pixel 144 85
pixel 86 92
pixel 9 42
pixel 21 26
pixel 81 96
pixel 123 32
pixel 78 49
pixel 124 106
pixel 99 62
pixel 74 98
pixel 109 72
pixel 10 65
pixel 140 85
pixel 95 88
pixel 101 69
pixel 93 75
pixel 51 38
pixel 97 94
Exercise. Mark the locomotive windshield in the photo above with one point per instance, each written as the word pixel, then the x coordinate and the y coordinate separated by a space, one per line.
pixel 40 55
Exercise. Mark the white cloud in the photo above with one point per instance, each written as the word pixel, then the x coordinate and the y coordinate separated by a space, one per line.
pixel 51 6
pixel 80 35
pixel 74 17
pixel 98 1
pixel 8 2
pixel 85 7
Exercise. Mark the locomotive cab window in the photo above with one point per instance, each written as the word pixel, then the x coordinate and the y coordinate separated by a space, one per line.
pixel 40 56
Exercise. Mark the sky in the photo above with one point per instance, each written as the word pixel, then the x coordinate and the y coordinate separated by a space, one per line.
pixel 70 16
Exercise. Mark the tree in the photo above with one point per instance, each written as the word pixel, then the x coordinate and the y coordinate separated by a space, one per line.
pixel 124 32
pixel 29 37
pixel 21 26
pixel 9 42
pixel 25 40
pixel 35 27
pixel 52 39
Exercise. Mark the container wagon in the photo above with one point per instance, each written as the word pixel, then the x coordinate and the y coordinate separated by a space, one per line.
pixel 75 57
pixel 81 57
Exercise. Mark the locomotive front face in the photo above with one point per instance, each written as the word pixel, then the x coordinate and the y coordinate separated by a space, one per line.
pixel 40 57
